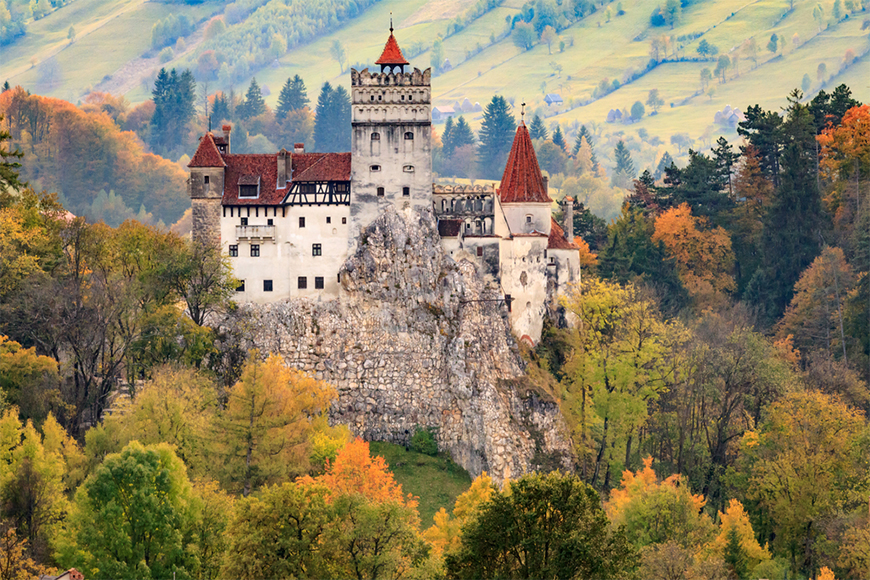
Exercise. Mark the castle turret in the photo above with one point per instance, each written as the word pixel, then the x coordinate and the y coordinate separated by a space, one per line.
pixel 392 138
pixel 523 191
pixel 205 187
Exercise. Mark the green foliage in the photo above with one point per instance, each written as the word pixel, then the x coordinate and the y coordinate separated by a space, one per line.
pixel 542 526
pixel 293 97
pixel 423 441
pixel 538 130
pixel 735 556
pixel 559 139
pixel 524 36
pixel 253 105
pixel 496 136
pixel 166 31
pixel 332 124
pixel 174 94
pixel 624 171
pixel 130 518
pixel 637 111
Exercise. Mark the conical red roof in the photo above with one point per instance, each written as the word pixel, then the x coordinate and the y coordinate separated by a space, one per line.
pixel 392 54
pixel 207 154
pixel 522 181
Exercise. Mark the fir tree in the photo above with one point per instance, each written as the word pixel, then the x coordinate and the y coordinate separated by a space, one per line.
pixel 462 133
pixel 341 102
pixel 496 137
pixel 664 163
pixel 174 96
pixel 293 96
pixel 623 171
pixel 447 138
pixel 735 556
pixel 254 105
pixel 538 130
pixel 324 121
pixel 6 87
pixel 725 160
pixel 558 138
pixel 584 133
pixel 220 110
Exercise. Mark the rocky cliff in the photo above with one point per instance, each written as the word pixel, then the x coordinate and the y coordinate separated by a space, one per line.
pixel 415 340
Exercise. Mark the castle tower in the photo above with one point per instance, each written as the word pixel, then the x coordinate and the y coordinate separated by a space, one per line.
pixel 392 138
pixel 206 186
pixel 523 192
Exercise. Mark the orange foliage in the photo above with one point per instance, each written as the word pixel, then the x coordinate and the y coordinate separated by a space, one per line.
pixel 704 257
pixel 643 481
pixel 587 258
pixel 846 154
pixel 355 471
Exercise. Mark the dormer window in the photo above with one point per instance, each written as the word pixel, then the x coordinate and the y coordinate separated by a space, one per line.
pixel 249 186
pixel 376 136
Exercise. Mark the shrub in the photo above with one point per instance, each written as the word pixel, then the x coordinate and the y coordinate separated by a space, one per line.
pixel 423 441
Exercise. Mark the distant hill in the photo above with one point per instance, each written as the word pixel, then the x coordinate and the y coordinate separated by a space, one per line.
pixel 606 60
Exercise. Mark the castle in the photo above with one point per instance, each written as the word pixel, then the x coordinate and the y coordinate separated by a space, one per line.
pixel 325 199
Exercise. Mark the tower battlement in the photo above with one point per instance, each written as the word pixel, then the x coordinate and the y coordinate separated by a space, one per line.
pixel 365 78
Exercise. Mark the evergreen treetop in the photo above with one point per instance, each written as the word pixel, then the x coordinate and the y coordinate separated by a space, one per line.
pixel 538 130
pixel 293 96
pixel 559 138
pixel 496 136
pixel 254 105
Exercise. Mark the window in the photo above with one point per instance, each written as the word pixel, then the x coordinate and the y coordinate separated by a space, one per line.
pixel 234 251
pixel 267 285
pixel 205 179
pixel 241 286
pixel 318 283
pixel 270 222
pixel 344 220
pixel 408 169
pixel 328 220
pixel 403 97
pixel 375 168
pixel 380 192
pixel 409 135
pixel 373 97
pixel 376 136
pixel 316 250
pixel 302 283
pixel 247 191
pixel 528 219
pixel 338 278
pixel 479 250
pixel 255 250
pixel 244 221
pixel 406 192
pixel 301 222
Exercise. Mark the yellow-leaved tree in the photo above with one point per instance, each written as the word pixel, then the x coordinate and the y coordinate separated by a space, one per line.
pixel 446 533
pixel 263 434
pixel 735 518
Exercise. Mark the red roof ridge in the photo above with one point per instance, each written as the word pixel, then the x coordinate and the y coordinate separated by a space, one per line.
pixel 207 154
pixel 557 239
pixel 392 54
pixel 522 181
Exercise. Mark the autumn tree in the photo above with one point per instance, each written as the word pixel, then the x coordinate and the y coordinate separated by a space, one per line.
pixel 703 256
pixel 542 526
pixel 752 194
pixel 263 431
pixel 28 381
pixel 735 541
pixel 802 466
pixel 445 534
pixel 8 164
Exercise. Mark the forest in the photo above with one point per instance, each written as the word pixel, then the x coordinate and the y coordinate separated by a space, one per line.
pixel 715 379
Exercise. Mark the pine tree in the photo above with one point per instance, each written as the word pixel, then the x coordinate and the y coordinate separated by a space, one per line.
pixel 174 97
pixel 323 122
pixel 462 133
pixel 496 137
pixel 293 96
pixel 792 226
pixel 538 130
pixel 447 144
pixel 623 171
pixel 665 162
pixel 342 131
pixel 558 138
pixel 735 556
pixel 254 105
pixel 725 160
pixel 6 86
pixel 585 134
pixel 220 110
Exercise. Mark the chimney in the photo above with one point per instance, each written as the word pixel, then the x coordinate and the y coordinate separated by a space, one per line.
pixel 226 129
pixel 568 211
pixel 282 168
pixel 299 148
pixel 546 185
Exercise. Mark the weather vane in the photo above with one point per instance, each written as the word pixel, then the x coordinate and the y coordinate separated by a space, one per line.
pixel 391 21
pixel 523 111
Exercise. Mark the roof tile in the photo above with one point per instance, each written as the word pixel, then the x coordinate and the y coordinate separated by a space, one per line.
pixel 557 239
pixel 392 53
pixel 522 181
pixel 207 154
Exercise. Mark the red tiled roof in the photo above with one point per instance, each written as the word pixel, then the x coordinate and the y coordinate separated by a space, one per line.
pixel 247 168
pixel 207 154
pixel 522 181
pixel 557 239
pixel 321 166
pixel 392 53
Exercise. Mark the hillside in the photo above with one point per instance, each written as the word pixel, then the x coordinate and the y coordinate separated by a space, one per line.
pixel 484 59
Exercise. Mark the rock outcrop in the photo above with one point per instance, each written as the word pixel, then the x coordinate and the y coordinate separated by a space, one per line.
pixel 416 340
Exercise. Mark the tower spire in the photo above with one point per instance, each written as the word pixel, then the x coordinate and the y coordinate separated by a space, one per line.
pixel 391 22
pixel 523 113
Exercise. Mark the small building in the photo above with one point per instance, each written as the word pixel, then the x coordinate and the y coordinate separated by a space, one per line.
pixel 553 99
pixel 71 574
pixel 441 113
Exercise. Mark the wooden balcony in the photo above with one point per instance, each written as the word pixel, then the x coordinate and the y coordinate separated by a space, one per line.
pixel 255 232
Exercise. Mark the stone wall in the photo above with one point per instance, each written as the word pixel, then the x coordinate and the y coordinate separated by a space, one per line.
pixel 416 340
pixel 206 220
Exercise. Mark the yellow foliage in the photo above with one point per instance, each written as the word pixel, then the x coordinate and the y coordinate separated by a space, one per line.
pixel 587 258
pixel 826 574
pixel 735 517
pixel 446 533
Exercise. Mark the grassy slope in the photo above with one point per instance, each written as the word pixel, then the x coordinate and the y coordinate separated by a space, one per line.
pixel 437 481
pixel 109 33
